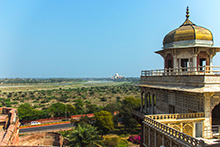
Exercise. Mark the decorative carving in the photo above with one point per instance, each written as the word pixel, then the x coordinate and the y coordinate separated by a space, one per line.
pixel 188 129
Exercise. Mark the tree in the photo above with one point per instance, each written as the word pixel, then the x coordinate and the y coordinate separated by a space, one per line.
pixel 84 136
pixel 91 108
pixel 128 105
pixel 71 110
pixel 104 121
pixel 24 110
pixel 27 112
pixel 112 107
pixel 79 105
pixel 131 102
pixel 57 110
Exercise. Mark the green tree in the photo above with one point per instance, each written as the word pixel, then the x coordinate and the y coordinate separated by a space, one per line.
pixel 104 121
pixel 79 104
pixel 57 110
pixel 27 112
pixel 84 136
pixel 91 108
pixel 131 102
pixel 128 105
pixel 71 110
pixel 112 107
pixel 24 110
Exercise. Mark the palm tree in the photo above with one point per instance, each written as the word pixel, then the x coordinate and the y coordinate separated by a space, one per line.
pixel 84 136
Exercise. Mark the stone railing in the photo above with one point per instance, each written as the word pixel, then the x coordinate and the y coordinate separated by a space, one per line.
pixel 176 116
pixel 200 70
pixel 182 138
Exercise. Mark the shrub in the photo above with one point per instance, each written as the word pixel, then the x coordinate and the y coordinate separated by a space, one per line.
pixel 135 139
pixel 111 142
pixel 103 99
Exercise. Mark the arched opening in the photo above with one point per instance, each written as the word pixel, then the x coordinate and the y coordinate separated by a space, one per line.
pixel 169 61
pixel 203 59
pixel 216 119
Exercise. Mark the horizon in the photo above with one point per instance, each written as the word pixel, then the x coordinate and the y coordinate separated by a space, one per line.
pixel 53 38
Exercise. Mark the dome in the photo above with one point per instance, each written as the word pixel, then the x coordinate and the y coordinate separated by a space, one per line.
pixel 188 34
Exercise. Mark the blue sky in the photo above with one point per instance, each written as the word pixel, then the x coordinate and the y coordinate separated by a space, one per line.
pixel 92 38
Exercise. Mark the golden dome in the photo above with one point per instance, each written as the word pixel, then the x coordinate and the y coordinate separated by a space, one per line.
pixel 188 34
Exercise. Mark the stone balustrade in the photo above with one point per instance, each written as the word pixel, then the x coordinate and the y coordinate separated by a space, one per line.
pixel 159 134
pixel 174 134
pixel 191 76
pixel 176 116
pixel 200 70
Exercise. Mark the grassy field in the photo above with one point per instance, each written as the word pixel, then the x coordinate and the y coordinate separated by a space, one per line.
pixel 51 86
pixel 43 95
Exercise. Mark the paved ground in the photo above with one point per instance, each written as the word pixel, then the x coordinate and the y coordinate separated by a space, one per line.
pixel 45 128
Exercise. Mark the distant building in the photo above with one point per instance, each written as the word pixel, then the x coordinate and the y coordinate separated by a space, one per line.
pixel 180 104
pixel 117 76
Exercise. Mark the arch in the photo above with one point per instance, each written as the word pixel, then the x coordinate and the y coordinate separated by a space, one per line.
pixel 216 114
pixel 203 56
pixel 168 62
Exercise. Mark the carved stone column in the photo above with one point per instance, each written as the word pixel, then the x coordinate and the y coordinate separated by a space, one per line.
pixel 175 63
pixel 142 101
pixel 149 103
pixel 145 101
pixel 194 64
pixel 152 104
pixel 211 64
pixel 207 130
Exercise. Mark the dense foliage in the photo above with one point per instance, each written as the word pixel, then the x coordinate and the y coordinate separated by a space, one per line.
pixel 99 95
pixel 84 136
pixel 104 121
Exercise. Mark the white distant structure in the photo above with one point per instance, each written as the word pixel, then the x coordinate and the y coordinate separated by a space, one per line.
pixel 117 76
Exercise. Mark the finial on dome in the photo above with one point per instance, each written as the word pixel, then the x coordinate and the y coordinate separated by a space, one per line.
pixel 187 12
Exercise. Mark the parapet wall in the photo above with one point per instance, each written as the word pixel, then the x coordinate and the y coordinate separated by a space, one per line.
pixel 182 80
pixel 10 132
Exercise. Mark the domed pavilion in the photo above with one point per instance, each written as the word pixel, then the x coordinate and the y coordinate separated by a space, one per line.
pixel 188 46
pixel 180 104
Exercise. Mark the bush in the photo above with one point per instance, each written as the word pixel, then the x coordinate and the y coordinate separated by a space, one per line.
pixel 123 143
pixel 111 142
pixel 103 99
pixel 135 139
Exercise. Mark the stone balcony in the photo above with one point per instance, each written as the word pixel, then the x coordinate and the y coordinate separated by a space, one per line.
pixel 170 130
pixel 203 76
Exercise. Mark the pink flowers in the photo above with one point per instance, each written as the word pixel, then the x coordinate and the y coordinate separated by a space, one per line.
pixel 135 139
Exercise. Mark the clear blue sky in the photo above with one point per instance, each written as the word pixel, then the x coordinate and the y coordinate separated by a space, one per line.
pixel 92 38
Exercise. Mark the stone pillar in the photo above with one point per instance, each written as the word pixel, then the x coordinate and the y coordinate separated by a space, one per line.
pixel 207 130
pixel 155 108
pixel 145 101
pixel 194 62
pixel 211 64
pixel 149 111
pixel 153 103
pixel 142 101
pixel 174 63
